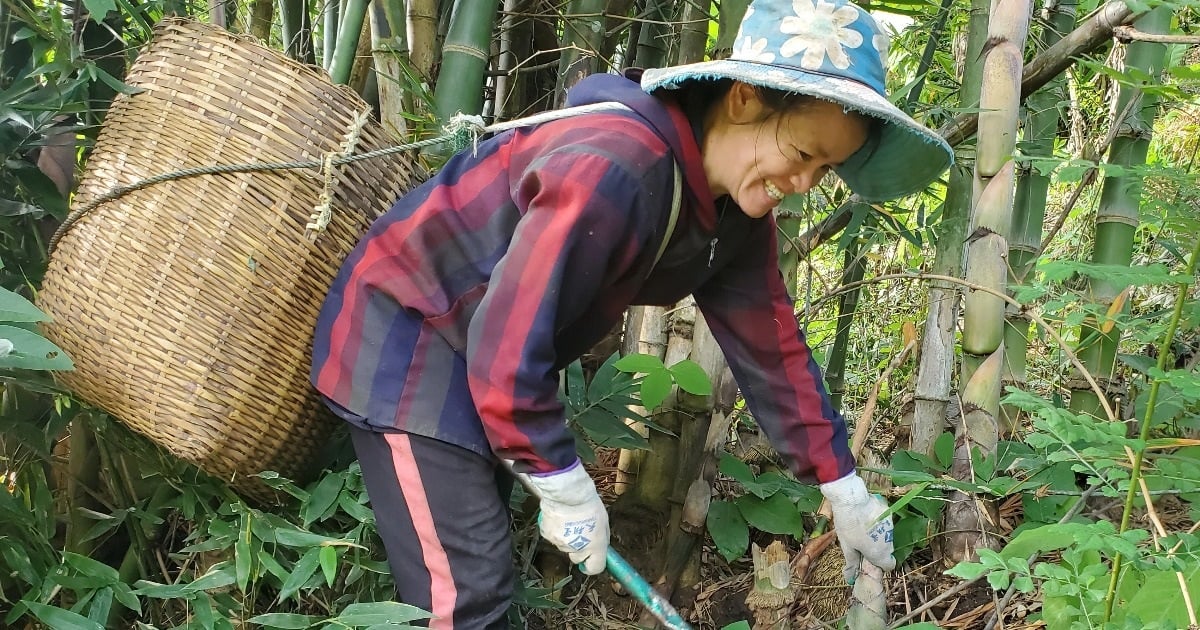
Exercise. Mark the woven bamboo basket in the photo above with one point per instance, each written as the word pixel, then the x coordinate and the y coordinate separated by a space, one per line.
pixel 188 306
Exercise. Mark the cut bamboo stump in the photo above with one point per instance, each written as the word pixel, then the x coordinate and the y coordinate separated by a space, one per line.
pixel 774 590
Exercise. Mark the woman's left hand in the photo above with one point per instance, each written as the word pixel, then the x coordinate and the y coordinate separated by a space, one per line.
pixel 860 530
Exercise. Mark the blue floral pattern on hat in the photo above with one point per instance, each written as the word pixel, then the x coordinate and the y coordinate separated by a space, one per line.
pixel 819 31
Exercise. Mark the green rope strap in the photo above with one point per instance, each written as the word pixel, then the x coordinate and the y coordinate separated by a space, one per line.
pixel 461 131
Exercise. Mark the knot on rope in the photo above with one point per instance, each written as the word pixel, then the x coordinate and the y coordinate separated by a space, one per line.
pixel 322 214
pixel 464 131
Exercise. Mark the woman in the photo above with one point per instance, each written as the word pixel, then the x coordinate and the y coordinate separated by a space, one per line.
pixel 442 337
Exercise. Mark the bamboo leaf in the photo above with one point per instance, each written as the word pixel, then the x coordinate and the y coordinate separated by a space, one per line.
pixel 378 613
pixel 90 567
pixel 14 307
pixel 639 363
pixel 329 561
pixel 22 349
pixel 217 577
pixel 691 378
pixel 301 573
pixel 913 493
pixel 61 619
pixel 286 621
pixel 242 559
pixel 100 605
pixel 728 529
pixel 202 613
pixel 124 594
pixel 323 497
pixel 162 591
pixel 608 430
pixel 300 538
pixel 576 386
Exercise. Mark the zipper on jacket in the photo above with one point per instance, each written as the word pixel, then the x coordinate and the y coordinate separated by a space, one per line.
pixel 712 251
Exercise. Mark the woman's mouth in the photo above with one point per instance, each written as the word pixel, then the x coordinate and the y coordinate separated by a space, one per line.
pixel 773 191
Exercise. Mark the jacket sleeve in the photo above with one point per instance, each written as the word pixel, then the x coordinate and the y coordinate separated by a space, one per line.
pixel 753 319
pixel 586 218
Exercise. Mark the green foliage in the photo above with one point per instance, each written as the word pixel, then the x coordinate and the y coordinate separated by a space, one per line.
pixel 657 378
pixel 21 347
pixel 774 503
pixel 602 411
pixel 1074 587
pixel 1062 449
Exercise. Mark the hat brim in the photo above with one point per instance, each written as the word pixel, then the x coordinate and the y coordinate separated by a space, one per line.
pixel 907 157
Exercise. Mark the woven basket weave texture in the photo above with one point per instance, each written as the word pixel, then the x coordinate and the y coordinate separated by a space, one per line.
pixel 188 306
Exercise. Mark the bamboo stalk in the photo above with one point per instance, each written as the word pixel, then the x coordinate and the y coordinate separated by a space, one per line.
pixel 1094 31
pixel 465 57
pixel 582 41
pixel 937 366
pixel 1120 198
pixel 1029 205
pixel 422 36
pixel 349 32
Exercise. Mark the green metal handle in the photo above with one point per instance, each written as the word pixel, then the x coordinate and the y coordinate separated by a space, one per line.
pixel 656 604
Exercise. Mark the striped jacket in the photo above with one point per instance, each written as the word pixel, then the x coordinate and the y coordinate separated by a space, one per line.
pixel 454 314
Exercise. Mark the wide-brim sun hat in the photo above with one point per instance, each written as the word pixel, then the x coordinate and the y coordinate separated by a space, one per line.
pixel 832 50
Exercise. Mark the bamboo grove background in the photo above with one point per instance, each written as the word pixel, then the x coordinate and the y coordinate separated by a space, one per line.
pixel 1017 344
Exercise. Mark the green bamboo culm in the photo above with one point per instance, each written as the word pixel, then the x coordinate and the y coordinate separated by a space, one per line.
pixel 1117 217
pixel 465 58
pixel 653 37
pixel 349 32
pixel 329 28
pixel 1041 123
pixel 936 369
pixel 582 40
pixel 969 521
pixel 1135 474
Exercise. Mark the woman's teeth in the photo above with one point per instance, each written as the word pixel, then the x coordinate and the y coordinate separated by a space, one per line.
pixel 773 192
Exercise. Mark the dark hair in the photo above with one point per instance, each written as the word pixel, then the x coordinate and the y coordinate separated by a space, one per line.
pixel 698 97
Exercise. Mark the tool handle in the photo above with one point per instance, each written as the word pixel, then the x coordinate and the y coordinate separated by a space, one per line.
pixel 656 604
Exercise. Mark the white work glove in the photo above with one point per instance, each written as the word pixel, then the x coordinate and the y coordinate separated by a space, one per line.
pixel 860 531
pixel 573 517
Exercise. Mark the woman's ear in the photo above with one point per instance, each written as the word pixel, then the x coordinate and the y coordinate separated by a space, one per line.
pixel 742 104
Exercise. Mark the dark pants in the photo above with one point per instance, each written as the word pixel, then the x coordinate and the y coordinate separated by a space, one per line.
pixel 442 512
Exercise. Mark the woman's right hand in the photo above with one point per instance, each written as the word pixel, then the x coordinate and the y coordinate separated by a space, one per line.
pixel 573 517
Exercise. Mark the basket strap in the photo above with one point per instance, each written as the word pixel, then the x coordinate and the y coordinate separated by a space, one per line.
pixel 676 201
pixel 464 130
pixel 474 125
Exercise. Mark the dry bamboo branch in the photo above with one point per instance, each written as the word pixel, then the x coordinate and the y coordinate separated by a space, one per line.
pixel 1128 34
pixel 1037 319
pixel 1038 72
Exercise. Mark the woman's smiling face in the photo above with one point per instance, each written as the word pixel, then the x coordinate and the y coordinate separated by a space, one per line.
pixel 758 155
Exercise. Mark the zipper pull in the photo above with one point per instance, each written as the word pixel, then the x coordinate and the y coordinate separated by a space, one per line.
pixel 712 251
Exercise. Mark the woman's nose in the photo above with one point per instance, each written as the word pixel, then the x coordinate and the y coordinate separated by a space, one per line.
pixel 802 182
